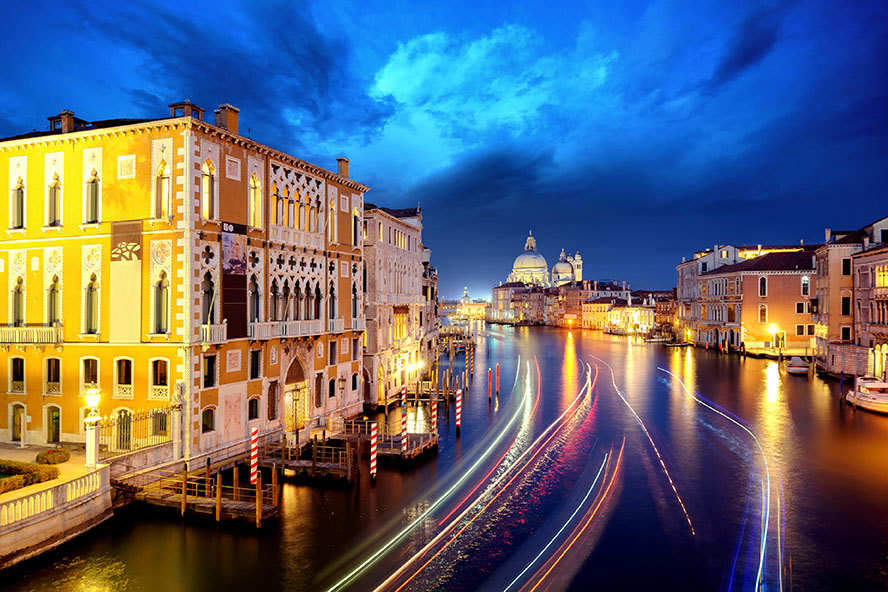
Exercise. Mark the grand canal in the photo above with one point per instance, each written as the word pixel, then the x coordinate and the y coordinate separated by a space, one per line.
pixel 604 463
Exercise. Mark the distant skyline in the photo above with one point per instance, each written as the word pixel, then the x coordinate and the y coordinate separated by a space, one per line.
pixel 633 132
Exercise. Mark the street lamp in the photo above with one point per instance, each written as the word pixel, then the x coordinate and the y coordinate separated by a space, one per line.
pixel 93 394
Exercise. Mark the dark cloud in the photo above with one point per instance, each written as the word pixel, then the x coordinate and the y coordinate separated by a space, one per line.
pixel 752 40
pixel 292 83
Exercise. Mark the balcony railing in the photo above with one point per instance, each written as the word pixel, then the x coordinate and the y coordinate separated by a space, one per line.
pixel 31 334
pixel 880 292
pixel 359 324
pixel 264 330
pixel 335 325
pixel 53 388
pixel 123 391
pixel 214 333
pixel 159 391
pixel 299 238
pixel 299 328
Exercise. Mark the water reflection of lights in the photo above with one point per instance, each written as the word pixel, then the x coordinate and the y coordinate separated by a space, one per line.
pixel 387 546
pixel 765 483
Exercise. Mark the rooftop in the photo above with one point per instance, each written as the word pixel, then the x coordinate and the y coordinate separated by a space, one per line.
pixel 786 261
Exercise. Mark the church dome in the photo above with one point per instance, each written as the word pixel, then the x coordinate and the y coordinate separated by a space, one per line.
pixel 563 271
pixel 530 260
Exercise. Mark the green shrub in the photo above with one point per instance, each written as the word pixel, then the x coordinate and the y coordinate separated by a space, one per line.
pixel 12 483
pixel 32 472
pixel 53 456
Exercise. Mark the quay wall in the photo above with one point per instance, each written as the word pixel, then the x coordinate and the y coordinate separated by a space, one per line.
pixel 45 519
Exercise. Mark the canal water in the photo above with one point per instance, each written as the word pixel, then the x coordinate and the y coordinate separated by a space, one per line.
pixel 603 462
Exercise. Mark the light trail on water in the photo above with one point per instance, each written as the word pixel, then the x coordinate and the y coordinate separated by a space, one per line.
pixel 766 484
pixel 654 446
pixel 351 575
pixel 537 446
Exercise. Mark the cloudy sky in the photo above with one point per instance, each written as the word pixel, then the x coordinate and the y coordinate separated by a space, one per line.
pixel 633 132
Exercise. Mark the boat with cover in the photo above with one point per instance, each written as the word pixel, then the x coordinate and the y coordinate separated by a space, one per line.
pixel 869 393
pixel 796 365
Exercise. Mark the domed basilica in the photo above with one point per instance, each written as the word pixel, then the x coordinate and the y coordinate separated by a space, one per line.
pixel 530 267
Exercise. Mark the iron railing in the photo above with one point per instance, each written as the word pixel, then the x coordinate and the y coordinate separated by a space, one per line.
pixel 127 432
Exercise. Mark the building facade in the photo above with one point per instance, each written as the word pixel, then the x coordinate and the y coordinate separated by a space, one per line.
pixel 762 303
pixel 397 349
pixel 176 261
pixel 870 271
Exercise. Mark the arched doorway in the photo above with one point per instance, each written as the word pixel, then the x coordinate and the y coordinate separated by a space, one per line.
pixel 53 425
pixel 18 422
pixel 365 374
pixel 295 397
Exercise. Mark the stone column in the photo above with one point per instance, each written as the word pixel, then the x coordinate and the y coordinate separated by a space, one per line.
pixel 177 429
pixel 92 440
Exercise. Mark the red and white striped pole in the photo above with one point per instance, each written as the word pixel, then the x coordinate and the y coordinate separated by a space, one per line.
pixel 434 427
pixel 254 455
pixel 489 383
pixel 404 431
pixel 404 396
pixel 497 379
pixel 458 411
pixel 373 451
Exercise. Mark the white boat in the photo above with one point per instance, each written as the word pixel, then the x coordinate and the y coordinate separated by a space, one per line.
pixel 869 393
pixel 796 365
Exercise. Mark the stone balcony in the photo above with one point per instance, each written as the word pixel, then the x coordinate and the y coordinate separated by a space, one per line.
pixel 359 324
pixel 300 328
pixel 31 334
pixel 335 325
pixel 269 330
pixel 880 292
pixel 216 333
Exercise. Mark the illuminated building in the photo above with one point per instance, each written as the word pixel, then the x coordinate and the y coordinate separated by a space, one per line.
pixel 870 272
pixel 530 266
pixel 762 303
pixel 836 315
pixel 687 307
pixel 399 291
pixel 471 309
pixel 176 260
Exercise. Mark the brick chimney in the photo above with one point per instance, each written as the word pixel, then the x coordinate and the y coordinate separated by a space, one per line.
pixel 226 116
pixel 827 233
pixel 67 119
pixel 186 109
pixel 342 166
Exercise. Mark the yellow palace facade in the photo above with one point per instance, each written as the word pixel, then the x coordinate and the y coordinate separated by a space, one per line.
pixel 174 261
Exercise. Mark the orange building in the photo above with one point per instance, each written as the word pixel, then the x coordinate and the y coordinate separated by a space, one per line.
pixel 761 303
pixel 175 261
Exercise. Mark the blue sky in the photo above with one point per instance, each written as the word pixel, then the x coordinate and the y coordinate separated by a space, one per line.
pixel 634 132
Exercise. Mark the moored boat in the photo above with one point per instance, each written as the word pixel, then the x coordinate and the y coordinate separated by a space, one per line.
pixel 869 393
pixel 796 365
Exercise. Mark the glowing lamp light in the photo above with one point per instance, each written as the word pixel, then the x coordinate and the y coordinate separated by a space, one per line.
pixel 420 364
pixel 772 329
pixel 93 394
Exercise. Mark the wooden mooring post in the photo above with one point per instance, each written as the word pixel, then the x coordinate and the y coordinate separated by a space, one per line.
pixel 236 482
pixel 184 490
pixel 274 483
pixel 218 496
pixel 258 500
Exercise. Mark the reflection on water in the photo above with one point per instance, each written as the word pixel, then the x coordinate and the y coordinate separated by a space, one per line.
pixel 826 461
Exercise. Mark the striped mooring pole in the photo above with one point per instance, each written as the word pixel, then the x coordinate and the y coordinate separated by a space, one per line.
pixel 254 455
pixel 458 411
pixel 404 431
pixel 404 395
pixel 373 451
pixel 434 427
pixel 489 383
pixel 497 379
